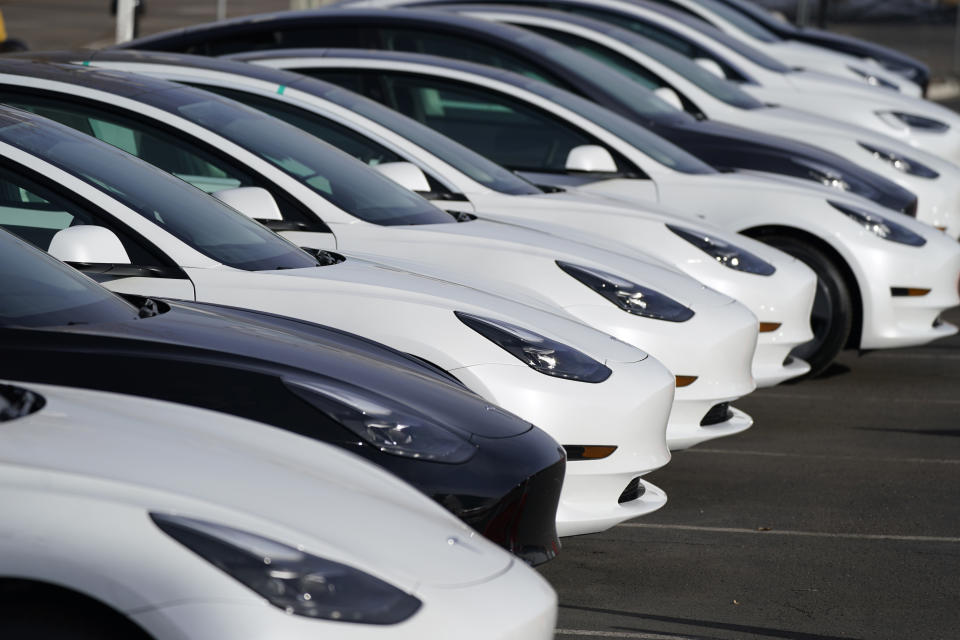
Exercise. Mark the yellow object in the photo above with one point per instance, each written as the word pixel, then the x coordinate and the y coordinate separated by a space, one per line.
pixel 3 28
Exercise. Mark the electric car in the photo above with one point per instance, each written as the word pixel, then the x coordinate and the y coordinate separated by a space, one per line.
pixel 865 257
pixel 132 518
pixel 677 78
pixel 445 33
pixel 498 473
pixel 144 232
pixel 334 199
pixel 780 295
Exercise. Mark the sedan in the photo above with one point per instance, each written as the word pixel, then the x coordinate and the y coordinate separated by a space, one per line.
pixel 132 518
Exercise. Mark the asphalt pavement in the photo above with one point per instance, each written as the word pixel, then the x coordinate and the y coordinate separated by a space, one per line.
pixel 835 516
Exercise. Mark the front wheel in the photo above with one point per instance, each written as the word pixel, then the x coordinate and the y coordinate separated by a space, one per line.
pixel 832 315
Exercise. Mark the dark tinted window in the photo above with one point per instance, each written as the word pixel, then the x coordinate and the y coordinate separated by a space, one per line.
pixel 197 219
pixel 39 291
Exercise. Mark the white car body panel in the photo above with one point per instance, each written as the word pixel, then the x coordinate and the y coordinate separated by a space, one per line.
pixel 79 477
pixel 414 314
pixel 740 202
pixel 939 199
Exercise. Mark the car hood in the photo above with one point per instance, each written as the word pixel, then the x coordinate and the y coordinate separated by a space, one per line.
pixel 168 458
pixel 464 248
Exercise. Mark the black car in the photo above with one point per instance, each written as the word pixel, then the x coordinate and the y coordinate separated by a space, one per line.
pixel 498 473
pixel 447 34
pixel 891 59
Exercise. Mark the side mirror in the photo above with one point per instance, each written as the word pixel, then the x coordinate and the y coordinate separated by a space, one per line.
pixel 669 96
pixel 254 202
pixel 88 244
pixel 591 158
pixel 712 66
pixel 406 174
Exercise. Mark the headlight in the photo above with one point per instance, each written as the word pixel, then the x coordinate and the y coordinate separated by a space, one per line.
pixel 873 80
pixel 880 226
pixel 903 121
pixel 725 253
pixel 827 178
pixel 901 163
pixel 390 428
pixel 631 297
pixel 536 351
pixel 292 580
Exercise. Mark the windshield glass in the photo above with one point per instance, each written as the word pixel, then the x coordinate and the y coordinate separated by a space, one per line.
pixel 199 220
pixel 741 21
pixel 657 148
pixel 487 173
pixel 654 28
pixel 334 175
pixel 39 291
pixel 719 88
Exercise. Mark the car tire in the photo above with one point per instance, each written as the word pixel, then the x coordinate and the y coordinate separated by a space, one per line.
pixel 43 622
pixel 832 315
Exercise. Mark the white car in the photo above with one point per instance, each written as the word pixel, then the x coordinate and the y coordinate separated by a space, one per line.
pixel 135 518
pixel 142 231
pixel 791 52
pixel 687 85
pixel 922 124
pixel 459 179
pixel 884 278
pixel 334 199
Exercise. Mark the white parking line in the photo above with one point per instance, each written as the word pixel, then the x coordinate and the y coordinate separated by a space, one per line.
pixel 617 634
pixel 824 456
pixel 805 534
pixel 830 395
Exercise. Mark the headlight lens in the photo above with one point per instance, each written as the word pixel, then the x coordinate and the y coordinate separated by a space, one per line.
pixel 873 80
pixel 536 351
pixel 828 178
pixel 381 423
pixel 880 226
pixel 629 296
pixel 725 253
pixel 293 580
pixel 901 163
pixel 902 121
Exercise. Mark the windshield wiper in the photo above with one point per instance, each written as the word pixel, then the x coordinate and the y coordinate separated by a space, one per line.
pixel 19 402
pixel 148 309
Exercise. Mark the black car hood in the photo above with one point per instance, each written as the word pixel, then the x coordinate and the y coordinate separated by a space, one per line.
pixel 231 338
pixel 727 147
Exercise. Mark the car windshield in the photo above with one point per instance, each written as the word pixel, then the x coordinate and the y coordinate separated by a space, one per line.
pixel 487 173
pixel 329 172
pixel 741 21
pixel 721 89
pixel 657 148
pixel 199 220
pixel 37 290
pixel 656 29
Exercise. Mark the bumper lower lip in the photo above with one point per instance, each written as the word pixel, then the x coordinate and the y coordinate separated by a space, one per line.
pixel 683 434
pixel 577 517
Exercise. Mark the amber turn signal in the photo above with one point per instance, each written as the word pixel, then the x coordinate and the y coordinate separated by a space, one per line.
pixel 588 451
pixel 685 381
pixel 768 327
pixel 908 291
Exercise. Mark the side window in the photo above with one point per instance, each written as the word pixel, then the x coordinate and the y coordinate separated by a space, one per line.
pixel 173 153
pixel 462 48
pixel 495 125
pixel 35 213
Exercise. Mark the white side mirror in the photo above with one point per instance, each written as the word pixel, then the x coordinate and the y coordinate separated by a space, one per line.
pixel 253 202
pixel 88 243
pixel 591 157
pixel 406 174
pixel 669 96
pixel 712 66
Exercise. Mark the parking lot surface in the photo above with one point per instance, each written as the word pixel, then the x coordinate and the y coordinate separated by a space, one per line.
pixel 835 516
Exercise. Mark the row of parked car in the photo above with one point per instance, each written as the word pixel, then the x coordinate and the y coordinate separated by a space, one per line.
pixel 308 319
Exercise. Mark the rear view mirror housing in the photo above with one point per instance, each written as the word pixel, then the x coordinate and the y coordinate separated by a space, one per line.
pixel 406 174
pixel 669 96
pixel 712 66
pixel 254 202
pixel 88 244
pixel 591 158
